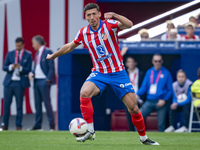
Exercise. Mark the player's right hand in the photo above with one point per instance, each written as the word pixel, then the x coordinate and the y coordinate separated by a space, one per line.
pixel 49 56
pixel 108 15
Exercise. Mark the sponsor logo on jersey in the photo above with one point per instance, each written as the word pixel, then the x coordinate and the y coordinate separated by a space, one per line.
pixel 102 52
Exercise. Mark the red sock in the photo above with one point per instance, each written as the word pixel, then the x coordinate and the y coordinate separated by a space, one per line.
pixel 87 109
pixel 138 122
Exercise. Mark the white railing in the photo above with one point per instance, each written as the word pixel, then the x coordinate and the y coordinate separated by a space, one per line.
pixel 139 25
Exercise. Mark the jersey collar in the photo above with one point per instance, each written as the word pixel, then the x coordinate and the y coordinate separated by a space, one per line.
pixel 101 23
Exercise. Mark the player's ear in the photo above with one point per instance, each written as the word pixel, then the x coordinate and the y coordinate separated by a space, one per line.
pixel 99 14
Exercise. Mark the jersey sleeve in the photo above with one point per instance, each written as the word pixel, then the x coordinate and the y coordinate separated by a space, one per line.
pixel 113 23
pixel 78 38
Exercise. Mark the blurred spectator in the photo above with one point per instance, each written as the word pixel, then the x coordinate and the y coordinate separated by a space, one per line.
pixel 173 35
pixel 135 75
pixel 144 35
pixel 189 29
pixel 198 20
pixel 17 65
pixel 193 20
pixel 157 84
pixel 44 77
pixel 181 102
pixel 170 26
pixel 195 88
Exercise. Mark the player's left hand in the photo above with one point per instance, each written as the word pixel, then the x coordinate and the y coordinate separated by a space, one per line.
pixel 108 15
pixel 161 103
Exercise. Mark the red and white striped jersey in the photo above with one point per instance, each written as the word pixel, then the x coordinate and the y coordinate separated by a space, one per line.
pixel 103 46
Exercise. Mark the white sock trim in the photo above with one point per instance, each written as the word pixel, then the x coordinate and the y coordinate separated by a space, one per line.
pixel 91 127
pixel 143 138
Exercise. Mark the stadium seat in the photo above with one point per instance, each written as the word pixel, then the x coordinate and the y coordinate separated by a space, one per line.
pixel 119 121
pixel 151 122
pixel 195 107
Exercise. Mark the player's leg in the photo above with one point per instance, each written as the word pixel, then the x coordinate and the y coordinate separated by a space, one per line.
pixel 122 86
pixel 94 85
pixel 130 101
pixel 88 90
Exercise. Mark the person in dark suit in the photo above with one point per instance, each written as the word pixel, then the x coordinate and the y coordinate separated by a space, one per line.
pixel 44 76
pixel 17 65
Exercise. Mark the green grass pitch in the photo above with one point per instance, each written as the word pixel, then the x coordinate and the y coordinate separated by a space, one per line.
pixel 63 140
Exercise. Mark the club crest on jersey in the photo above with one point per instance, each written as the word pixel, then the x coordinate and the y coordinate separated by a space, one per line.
pixel 104 36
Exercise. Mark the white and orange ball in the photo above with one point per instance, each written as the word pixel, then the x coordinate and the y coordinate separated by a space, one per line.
pixel 78 127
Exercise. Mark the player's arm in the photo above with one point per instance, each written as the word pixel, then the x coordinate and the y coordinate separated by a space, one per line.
pixel 65 49
pixel 124 22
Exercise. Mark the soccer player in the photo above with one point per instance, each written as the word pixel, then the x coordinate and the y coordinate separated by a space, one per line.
pixel 101 40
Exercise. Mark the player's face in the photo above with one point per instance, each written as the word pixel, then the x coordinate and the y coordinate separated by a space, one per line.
pixel 181 78
pixel 130 63
pixel 189 30
pixel 35 44
pixel 157 61
pixel 19 46
pixel 92 17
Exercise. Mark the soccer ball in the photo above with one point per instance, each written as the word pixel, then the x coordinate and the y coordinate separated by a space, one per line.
pixel 78 127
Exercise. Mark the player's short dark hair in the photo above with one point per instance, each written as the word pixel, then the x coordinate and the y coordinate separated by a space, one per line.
pixel 39 39
pixel 91 6
pixel 19 39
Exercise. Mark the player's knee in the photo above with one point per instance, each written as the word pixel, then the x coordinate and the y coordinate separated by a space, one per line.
pixel 133 109
pixel 85 93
